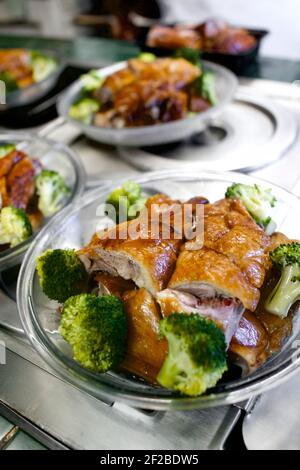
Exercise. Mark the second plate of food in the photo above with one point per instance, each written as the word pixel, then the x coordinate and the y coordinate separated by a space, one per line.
pixel 148 101
pixel 144 313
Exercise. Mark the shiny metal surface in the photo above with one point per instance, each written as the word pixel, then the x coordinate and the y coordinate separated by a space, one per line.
pixel 251 133
pixel 226 84
pixel 83 422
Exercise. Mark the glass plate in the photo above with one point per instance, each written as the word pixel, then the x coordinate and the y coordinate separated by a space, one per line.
pixel 226 85
pixel 54 156
pixel 73 228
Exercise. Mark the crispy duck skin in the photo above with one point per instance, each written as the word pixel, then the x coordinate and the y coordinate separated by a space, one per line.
pixel 17 63
pixel 3 192
pixel 7 162
pixel 167 37
pixel 20 183
pixel 146 352
pixel 145 257
pixel 222 278
pixel 113 285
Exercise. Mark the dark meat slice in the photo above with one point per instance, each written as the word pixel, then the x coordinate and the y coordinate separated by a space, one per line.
pixel 248 347
pixel 146 352
pixel 167 37
pixel 20 183
pixel 7 162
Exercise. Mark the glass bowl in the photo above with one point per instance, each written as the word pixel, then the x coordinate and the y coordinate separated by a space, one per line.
pixel 73 228
pixel 54 156
pixel 226 86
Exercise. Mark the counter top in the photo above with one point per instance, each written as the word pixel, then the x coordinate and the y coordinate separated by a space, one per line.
pixel 94 52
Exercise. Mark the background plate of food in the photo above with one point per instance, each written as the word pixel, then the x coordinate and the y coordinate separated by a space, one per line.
pixel 38 177
pixel 160 322
pixel 148 101
pixel 27 75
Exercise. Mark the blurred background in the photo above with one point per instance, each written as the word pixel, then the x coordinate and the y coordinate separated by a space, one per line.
pixel 119 18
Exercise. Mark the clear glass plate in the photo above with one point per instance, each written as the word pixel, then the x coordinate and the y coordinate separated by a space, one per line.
pixel 54 156
pixel 226 86
pixel 73 228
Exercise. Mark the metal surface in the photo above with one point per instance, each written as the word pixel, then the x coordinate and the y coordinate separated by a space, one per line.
pixel 82 422
pixel 226 84
pixel 251 133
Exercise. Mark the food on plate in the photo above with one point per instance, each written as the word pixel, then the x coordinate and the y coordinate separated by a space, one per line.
pixel 96 329
pixel 286 259
pixel 20 68
pixel 145 92
pixel 28 193
pixel 62 274
pixel 211 36
pixel 127 201
pixel 223 277
pixel 257 201
pixel 52 192
pixel 146 350
pixel 196 354
pixel 188 308
pixel 15 226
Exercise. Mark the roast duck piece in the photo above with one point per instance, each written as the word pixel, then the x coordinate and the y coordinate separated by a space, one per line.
pixel 211 36
pixel 145 93
pixel 221 280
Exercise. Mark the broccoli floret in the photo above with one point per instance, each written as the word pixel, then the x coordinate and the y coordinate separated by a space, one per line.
pixel 5 149
pixel 96 329
pixel 62 274
pixel 10 82
pixel 127 201
pixel 52 192
pixel 91 81
pixel 42 66
pixel 205 87
pixel 197 354
pixel 189 54
pixel 287 291
pixel 258 201
pixel 15 226
pixel 84 109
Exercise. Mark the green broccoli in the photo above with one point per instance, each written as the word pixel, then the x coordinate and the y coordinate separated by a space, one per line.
pixel 258 202
pixel 189 54
pixel 10 82
pixel 287 291
pixel 84 109
pixel 5 149
pixel 96 329
pixel 42 66
pixel 127 201
pixel 15 226
pixel 205 87
pixel 62 274
pixel 91 81
pixel 52 192
pixel 197 354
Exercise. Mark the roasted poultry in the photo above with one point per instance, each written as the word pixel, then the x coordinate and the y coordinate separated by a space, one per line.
pixel 17 63
pixel 211 36
pixel 223 277
pixel 147 261
pixel 147 93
